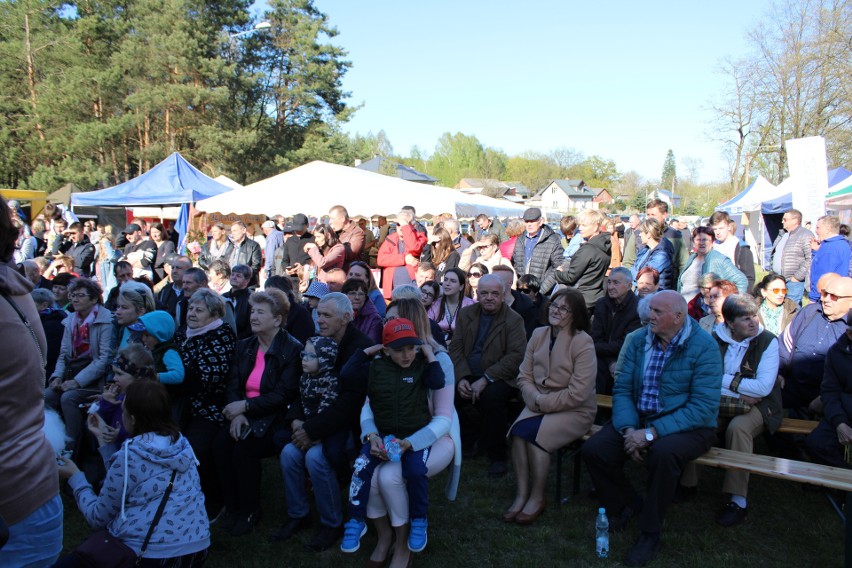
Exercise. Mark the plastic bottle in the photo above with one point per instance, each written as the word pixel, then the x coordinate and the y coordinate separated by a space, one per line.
pixel 392 448
pixel 602 534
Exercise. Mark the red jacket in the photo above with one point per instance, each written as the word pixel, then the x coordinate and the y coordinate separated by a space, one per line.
pixel 389 257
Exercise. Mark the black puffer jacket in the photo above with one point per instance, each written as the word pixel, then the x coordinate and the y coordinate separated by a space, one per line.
pixel 587 269
pixel 836 391
pixel 546 258
pixel 279 384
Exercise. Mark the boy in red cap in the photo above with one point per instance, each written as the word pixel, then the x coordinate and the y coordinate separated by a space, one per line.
pixel 398 384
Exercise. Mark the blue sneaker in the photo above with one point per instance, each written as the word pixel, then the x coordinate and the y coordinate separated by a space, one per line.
pixel 353 530
pixel 417 535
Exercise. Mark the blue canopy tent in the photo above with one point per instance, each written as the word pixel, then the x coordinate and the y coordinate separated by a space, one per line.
pixel 172 181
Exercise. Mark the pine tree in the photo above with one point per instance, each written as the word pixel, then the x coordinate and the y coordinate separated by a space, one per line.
pixel 668 179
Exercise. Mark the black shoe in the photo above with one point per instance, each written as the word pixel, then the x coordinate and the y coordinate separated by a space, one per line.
pixel 620 521
pixel 497 469
pixel 324 538
pixel 684 494
pixel 732 515
pixel 226 520
pixel 245 524
pixel 288 529
pixel 644 550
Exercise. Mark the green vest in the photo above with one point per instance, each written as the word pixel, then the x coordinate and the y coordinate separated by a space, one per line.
pixel 398 397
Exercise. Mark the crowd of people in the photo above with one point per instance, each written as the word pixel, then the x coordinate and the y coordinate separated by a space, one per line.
pixel 375 359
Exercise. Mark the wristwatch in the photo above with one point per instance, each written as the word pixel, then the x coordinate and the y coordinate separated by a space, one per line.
pixel 649 436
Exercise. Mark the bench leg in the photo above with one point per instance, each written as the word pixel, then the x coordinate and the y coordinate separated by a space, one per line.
pixel 560 455
pixel 577 465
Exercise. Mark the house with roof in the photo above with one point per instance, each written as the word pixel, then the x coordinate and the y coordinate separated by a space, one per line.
pixel 602 195
pixel 667 196
pixel 566 195
pixel 380 165
pixel 485 186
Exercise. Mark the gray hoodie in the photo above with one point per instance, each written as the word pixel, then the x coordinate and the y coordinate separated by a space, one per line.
pixel 136 480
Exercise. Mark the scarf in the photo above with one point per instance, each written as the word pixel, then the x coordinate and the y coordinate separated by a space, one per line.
pixel 80 334
pixel 202 330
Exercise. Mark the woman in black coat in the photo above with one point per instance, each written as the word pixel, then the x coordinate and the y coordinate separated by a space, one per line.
pixel 588 267
pixel 264 381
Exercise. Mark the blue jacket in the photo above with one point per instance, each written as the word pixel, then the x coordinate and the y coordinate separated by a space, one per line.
pixel 831 256
pixel 721 266
pixel 660 258
pixel 690 385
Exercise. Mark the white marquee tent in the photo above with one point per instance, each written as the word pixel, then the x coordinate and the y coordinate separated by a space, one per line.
pixel 316 187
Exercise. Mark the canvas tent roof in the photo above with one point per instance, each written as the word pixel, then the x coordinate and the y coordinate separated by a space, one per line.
pixel 172 181
pixel 750 198
pixel 317 186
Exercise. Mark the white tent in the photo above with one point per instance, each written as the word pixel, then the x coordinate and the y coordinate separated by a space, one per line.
pixel 316 187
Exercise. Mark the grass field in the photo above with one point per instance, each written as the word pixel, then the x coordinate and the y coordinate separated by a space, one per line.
pixel 787 526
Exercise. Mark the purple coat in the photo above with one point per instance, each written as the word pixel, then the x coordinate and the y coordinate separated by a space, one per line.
pixel 369 322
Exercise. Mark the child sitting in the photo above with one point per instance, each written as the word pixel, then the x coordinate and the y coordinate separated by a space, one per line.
pixel 397 391
pixel 106 421
pixel 157 331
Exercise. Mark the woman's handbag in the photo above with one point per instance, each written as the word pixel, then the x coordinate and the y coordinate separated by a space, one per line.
pixel 730 406
pixel 102 550
pixel 74 366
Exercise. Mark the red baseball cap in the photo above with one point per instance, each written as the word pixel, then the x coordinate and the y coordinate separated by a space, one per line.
pixel 398 333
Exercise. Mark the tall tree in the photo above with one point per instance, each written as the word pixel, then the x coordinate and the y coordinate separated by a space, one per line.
pixel 668 179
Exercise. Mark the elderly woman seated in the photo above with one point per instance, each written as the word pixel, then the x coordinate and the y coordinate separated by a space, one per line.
pixel 206 348
pixel 750 400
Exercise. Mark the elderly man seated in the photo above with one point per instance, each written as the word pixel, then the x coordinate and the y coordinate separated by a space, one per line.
pixel 487 349
pixel 805 342
pixel 615 317
pixel 829 443
pixel 665 404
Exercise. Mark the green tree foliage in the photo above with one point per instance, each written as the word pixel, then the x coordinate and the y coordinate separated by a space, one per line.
pixel 456 156
pixel 98 92
pixel 668 179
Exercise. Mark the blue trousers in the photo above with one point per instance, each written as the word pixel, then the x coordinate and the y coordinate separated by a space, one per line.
pixel 413 471
pixel 35 541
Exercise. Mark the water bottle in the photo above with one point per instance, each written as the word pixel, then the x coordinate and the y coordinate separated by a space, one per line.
pixel 393 450
pixel 602 537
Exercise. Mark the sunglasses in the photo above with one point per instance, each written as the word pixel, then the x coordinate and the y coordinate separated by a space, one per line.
pixel 778 290
pixel 833 297
pixel 524 290
pixel 475 275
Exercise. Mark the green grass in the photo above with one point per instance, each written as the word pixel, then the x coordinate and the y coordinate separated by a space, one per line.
pixel 787 526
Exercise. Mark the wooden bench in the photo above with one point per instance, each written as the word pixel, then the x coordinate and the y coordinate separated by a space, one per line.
pixel 788 426
pixel 779 468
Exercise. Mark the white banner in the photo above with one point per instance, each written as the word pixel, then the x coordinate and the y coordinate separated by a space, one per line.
pixel 809 172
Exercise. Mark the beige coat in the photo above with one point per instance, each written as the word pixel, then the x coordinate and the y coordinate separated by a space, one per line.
pixel 565 379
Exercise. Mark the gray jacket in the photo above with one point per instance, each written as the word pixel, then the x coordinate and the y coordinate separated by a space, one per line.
pixel 546 258
pixel 100 340
pixel 796 257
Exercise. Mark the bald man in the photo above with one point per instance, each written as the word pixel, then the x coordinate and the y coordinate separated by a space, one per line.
pixel 672 355
pixel 808 338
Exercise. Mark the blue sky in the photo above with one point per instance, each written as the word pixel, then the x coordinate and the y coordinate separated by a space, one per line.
pixel 624 80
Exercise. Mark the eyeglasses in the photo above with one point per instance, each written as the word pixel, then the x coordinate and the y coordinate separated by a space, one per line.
pixel 475 275
pixel 309 356
pixel 563 310
pixel 778 290
pixel 833 297
pixel 427 293
pixel 78 296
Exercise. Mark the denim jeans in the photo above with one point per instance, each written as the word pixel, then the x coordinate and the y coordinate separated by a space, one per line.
pixel 795 291
pixel 413 472
pixel 37 540
pixel 326 489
